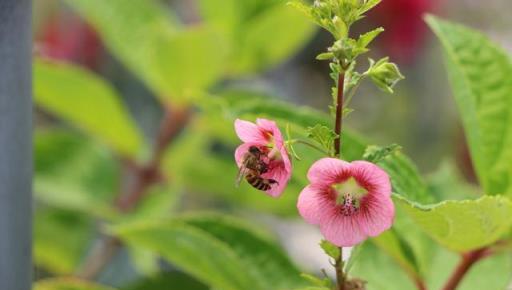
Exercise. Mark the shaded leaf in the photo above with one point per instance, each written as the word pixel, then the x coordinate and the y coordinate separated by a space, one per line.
pixel 68 284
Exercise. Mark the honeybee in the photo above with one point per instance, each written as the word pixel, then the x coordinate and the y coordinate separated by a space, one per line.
pixel 252 168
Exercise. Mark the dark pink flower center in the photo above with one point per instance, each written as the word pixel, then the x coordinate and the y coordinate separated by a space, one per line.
pixel 348 196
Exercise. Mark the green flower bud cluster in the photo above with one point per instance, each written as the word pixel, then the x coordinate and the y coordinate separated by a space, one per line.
pixel 337 16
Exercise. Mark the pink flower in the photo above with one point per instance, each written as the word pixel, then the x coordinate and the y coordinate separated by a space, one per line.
pixel 349 201
pixel 266 136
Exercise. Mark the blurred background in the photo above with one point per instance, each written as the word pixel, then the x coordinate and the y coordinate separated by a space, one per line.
pixel 76 176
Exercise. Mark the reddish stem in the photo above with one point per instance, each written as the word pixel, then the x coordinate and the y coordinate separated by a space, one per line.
pixel 467 261
pixel 144 177
pixel 339 114
pixel 420 284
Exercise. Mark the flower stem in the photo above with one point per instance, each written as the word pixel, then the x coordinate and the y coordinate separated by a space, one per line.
pixel 303 142
pixel 465 264
pixel 339 114
pixel 340 275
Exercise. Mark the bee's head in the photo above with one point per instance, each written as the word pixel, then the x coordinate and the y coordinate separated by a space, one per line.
pixel 254 150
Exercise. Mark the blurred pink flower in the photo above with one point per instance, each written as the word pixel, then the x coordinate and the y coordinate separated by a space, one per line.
pixel 405 29
pixel 349 201
pixel 266 136
pixel 67 37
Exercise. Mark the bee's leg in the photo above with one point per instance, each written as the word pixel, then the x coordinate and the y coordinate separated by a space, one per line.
pixel 273 181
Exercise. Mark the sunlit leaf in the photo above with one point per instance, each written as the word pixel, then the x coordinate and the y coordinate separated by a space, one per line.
pixel 174 61
pixel 481 76
pixel 261 33
pixel 462 225
pixel 88 102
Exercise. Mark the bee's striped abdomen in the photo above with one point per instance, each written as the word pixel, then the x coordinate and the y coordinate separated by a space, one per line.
pixel 258 182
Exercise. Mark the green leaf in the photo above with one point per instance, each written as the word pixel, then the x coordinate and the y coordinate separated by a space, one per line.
pixel 193 251
pixel 375 153
pixel 68 284
pixel 167 281
pixel 74 232
pixel 190 61
pixel 219 251
pixel 174 62
pixel 261 34
pixel 379 270
pixel 384 74
pixel 331 250
pixel 481 76
pixel 323 135
pixel 87 101
pixel 266 262
pixel 462 225
pixel 368 4
pixel 74 173
pixel 364 40
pixel 405 178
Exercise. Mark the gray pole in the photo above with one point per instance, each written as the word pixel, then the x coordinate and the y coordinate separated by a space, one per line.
pixel 15 144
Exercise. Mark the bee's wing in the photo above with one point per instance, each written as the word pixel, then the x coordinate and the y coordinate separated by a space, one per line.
pixel 242 172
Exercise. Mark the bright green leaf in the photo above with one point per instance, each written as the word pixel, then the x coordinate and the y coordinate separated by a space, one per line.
pixel 481 76
pixel 331 250
pixel 364 40
pixel 462 225
pixel 262 34
pixel 173 61
pixel 87 101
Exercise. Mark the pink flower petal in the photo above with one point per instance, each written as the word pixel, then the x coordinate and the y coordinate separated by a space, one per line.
pixel 343 231
pixel 312 206
pixel 282 176
pixel 371 177
pixel 328 171
pixel 250 132
pixel 376 215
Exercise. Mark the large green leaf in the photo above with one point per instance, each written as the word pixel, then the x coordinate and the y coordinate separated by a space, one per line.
pixel 218 251
pixel 87 101
pixel 379 270
pixel 68 284
pixel 268 263
pixel 172 60
pixel 167 281
pixel 74 173
pixel 262 33
pixel 481 76
pixel 462 225
pixel 193 251
pixel 74 232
